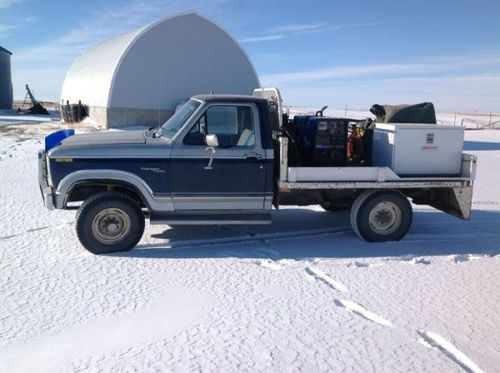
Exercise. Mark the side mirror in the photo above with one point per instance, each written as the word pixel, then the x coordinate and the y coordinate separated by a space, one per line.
pixel 212 141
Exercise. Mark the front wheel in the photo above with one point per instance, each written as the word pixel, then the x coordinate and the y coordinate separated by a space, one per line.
pixel 109 222
pixel 378 216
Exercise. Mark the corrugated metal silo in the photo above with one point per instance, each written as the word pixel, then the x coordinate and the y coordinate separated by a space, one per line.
pixel 6 95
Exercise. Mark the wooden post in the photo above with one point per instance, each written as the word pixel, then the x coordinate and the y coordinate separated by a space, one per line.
pixel 68 112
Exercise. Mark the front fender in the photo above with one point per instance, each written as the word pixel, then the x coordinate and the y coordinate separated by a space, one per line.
pixel 163 203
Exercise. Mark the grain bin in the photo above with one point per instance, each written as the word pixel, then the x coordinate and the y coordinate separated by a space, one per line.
pixel 5 80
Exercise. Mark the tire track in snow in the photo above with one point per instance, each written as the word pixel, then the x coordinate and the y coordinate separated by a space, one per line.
pixel 410 259
pixel 272 257
pixel 363 312
pixel 7 237
pixel 323 277
pixel 37 229
pixel 269 253
pixel 358 264
pixel 460 258
pixel 270 264
pixel 450 351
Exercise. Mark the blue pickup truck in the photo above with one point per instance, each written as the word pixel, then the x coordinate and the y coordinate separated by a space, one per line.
pixel 224 159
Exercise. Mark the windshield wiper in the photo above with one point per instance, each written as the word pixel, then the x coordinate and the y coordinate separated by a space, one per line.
pixel 157 133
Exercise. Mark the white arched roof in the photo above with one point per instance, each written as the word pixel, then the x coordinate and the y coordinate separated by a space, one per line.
pixel 158 65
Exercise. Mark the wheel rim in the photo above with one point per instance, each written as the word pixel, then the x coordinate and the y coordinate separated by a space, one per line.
pixel 111 225
pixel 385 218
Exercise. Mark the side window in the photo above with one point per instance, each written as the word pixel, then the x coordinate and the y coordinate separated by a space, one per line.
pixel 233 125
pixel 196 135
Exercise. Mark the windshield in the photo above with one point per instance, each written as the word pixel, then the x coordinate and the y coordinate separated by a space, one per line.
pixel 176 121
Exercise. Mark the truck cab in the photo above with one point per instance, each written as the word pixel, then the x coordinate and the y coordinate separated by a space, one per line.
pixel 222 157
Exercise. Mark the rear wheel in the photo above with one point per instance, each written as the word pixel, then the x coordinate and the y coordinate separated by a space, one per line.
pixel 378 216
pixel 109 222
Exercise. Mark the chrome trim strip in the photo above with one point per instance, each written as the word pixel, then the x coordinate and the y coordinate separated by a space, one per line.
pixel 155 204
pixel 166 157
pixel 218 202
pixel 219 195
pixel 211 222
pixel 77 156
pixel 203 156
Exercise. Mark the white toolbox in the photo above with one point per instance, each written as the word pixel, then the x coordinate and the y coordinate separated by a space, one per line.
pixel 418 149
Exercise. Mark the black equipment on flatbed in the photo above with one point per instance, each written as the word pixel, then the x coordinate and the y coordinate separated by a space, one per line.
pixel 317 141
pixel 322 141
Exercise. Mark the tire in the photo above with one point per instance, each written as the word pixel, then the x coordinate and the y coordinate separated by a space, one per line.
pixel 381 215
pixel 109 222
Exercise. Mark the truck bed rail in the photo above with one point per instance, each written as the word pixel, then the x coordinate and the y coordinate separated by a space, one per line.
pixel 366 177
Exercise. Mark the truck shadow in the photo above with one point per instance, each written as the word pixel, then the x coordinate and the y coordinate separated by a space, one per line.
pixel 481 145
pixel 304 233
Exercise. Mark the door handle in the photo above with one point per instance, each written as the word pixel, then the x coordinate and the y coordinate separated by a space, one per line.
pixel 253 156
pixel 211 160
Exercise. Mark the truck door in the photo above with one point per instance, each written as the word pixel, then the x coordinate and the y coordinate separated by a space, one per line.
pixel 235 178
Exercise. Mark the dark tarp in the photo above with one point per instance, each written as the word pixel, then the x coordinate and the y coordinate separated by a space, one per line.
pixel 419 113
pixel 37 109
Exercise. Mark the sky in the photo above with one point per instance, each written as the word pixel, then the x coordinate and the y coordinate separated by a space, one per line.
pixel 331 52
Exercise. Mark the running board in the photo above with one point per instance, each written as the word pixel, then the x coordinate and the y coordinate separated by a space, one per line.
pixel 193 218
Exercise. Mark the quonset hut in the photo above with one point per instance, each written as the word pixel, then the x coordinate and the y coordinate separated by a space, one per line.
pixel 6 95
pixel 138 78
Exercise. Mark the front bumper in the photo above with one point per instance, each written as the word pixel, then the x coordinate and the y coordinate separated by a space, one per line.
pixel 47 191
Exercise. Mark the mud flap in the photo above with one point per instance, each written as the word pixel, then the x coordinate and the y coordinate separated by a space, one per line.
pixel 453 201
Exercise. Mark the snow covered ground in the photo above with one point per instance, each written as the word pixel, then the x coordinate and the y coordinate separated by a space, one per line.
pixel 304 294
pixel 10 117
